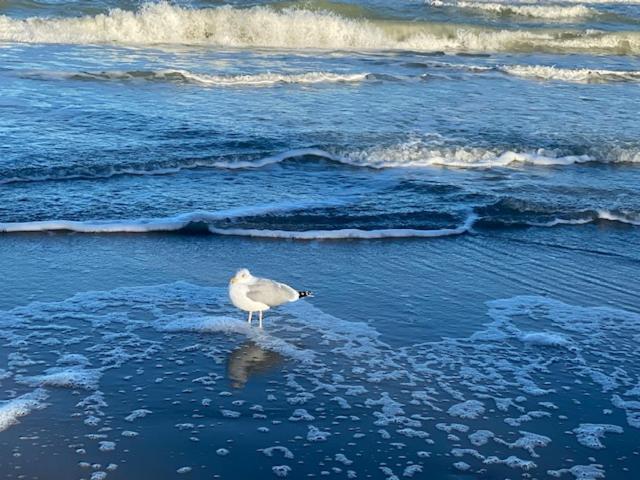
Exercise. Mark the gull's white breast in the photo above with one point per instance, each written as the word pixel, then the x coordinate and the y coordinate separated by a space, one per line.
pixel 238 296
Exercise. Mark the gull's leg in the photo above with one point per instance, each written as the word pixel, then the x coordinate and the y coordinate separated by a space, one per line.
pixel 249 319
pixel 260 314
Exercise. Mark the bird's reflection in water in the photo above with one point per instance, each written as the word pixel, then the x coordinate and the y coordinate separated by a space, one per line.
pixel 250 359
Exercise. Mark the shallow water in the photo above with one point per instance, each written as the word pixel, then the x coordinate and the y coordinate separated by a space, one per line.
pixel 158 341
pixel 456 181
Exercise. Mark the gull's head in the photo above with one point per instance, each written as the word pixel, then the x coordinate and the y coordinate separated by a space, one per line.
pixel 243 275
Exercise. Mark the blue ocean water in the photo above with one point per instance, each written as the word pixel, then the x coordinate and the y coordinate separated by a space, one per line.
pixel 461 122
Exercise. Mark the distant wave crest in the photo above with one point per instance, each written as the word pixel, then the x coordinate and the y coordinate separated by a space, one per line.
pixel 541 11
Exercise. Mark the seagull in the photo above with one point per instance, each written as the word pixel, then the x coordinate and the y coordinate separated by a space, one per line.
pixel 253 294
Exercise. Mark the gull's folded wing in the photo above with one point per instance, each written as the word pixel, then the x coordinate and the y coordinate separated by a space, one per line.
pixel 271 293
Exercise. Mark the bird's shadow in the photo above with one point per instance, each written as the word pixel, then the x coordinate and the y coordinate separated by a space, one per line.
pixel 250 359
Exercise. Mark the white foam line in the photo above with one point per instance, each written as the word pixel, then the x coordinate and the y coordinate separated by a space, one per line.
pixel 420 154
pixel 166 224
pixel 179 222
pixel 548 12
pixel 612 217
pixel 600 215
pixel 585 2
pixel 410 154
pixel 561 221
pixel 267 79
pixel 576 75
pixel 347 233
pixel 185 76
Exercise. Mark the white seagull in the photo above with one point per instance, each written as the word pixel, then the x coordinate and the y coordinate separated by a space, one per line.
pixel 253 294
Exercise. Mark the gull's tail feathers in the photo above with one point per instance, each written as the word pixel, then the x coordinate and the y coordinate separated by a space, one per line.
pixel 305 293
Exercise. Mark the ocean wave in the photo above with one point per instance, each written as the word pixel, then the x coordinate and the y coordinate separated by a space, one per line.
pixel 541 11
pixel 409 154
pixel 260 27
pixel 208 222
pixel 578 75
pixel 582 2
pixel 189 220
pixel 589 217
pixel 184 76
pixel 503 217
pixel 545 72
pixel 152 168
pixel 185 221
pixel 268 79
pixel 418 153
pixel 348 233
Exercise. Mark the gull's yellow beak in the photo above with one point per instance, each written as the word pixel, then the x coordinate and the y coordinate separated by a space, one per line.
pixel 233 280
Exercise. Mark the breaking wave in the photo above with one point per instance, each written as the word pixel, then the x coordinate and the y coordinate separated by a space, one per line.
pixel 269 79
pixel 578 75
pixel 409 154
pixel 417 153
pixel 206 221
pixel 264 27
pixel 492 216
pixel 580 218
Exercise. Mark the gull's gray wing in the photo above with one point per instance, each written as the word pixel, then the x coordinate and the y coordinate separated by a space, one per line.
pixel 271 293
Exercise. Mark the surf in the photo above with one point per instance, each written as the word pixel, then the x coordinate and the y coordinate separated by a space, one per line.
pixel 294 29
pixel 410 154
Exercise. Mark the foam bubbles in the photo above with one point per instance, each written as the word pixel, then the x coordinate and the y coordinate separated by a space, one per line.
pixel 574 75
pixel 590 435
pixel 471 409
pixel 456 394
pixel 66 377
pixel 11 410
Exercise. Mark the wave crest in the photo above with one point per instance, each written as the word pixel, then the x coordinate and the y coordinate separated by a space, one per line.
pixel 546 12
pixel 409 154
pixel 349 233
pixel 417 153
pixel 207 222
pixel 578 75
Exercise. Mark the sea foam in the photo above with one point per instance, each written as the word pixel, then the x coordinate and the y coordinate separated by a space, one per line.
pixel 411 393
pixel 11 410
pixel 576 75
